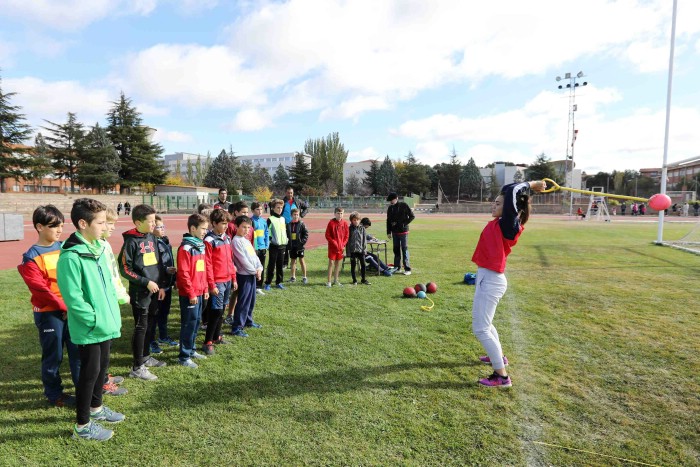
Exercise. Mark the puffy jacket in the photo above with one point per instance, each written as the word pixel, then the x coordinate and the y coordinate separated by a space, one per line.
pixel 261 233
pixel 298 234
pixel 139 259
pixel 167 258
pixel 219 259
pixel 398 216
pixel 38 269
pixel 86 285
pixel 191 267
pixel 357 241
pixel 337 234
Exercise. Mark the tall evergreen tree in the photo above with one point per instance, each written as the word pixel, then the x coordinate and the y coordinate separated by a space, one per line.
pixel 40 166
pixel 300 174
pixel 320 172
pixel 280 180
pixel 223 173
pixel 414 177
pixel 387 178
pixel 353 185
pixel 100 165
pixel 327 159
pixel 13 132
pixel 541 168
pixel 371 180
pixel 66 142
pixel 337 155
pixel 140 159
pixel 471 179
pixel 261 176
pixel 246 175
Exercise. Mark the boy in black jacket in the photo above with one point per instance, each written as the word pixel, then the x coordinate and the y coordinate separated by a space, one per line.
pixel 398 216
pixel 298 234
pixel 139 261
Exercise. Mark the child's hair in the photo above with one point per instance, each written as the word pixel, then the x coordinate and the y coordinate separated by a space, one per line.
pixel 195 220
pixel 277 202
pixel 112 215
pixel 48 215
pixel 354 215
pixel 294 210
pixel 366 222
pixel 86 209
pixel 239 205
pixel 522 205
pixel 219 215
pixel 139 213
pixel 202 207
pixel 255 205
pixel 158 218
pixel 242 220
pixel 339 209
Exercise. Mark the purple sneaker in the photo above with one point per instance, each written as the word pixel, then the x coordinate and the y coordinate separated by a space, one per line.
pixel 486 359
pixel 496 380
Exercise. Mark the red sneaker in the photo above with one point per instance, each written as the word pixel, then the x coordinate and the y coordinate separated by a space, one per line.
pixel 113 390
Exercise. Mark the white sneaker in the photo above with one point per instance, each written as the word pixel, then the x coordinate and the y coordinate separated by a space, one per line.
pixel 142 373
pixel 328 284
pixel 198 355
pixel 259 291
pixel 304 281
pixel 407 273
pixel 338 284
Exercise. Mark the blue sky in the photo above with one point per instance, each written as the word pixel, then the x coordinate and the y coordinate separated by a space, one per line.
pixel 389 76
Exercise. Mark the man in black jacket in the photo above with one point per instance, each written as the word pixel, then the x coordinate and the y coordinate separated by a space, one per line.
pixel 398 216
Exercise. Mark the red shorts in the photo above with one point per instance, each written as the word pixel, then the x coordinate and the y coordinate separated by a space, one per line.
pixel 335 255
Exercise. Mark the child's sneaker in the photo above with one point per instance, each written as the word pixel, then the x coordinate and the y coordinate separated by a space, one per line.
pixel 108 415
pixel 337 284
pixel 113 390
pixel 239 332
pixel 354 283
pixel 64 400
pixel 292 279
pixel 486 359
pixel 196 354
pixel 208 348
pixel 142 373
pixel 151 362
pixel 280 286
pixel 328 284
pixel 115 379
pixel 229 319
pixel 496 380
pixel 254 325
pixel 221 341
pixel 188 363
pixel 168 341
pixel 304 280
pixel 259 292
pixel 366 282
pixel 267 287
pixel 407 272
pixel 155 348
pixel 92 431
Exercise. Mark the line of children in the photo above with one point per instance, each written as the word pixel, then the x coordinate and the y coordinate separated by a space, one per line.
pixel 221 276
pixel 337 233
pixel 94 319
pixel 298 235
pixel 278 245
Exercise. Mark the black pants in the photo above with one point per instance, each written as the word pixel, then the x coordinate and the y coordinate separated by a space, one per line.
pixel 216 316
pixel 145 313
pixel 261 256
pixel 354 259
pixel 274 265
pixel 94 360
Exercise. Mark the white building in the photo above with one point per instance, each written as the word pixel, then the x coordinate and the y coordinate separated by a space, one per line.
pixel 266 161
pixel 504 173
pixel 357 169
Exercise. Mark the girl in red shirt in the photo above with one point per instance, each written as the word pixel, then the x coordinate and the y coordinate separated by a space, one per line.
pixel 510 210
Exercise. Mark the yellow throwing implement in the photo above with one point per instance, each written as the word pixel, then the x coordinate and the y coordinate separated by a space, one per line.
pixel 555 187
pixel 426 307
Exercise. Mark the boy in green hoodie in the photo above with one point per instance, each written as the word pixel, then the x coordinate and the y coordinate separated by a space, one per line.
pixel 85 282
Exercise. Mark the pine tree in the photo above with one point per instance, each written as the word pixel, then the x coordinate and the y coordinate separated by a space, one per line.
pixel 223 173
pixel 541 168
pixel 100 165
pixel 140 159
pixel 261 176
pixel 471 179
pixel 13 132
pixel 246 175
pixel 371 180
pixel 300 174
pixel 353 185
pixel 414 176
pixel 66 142
pixel 280 180
pixel 40 165
pixel 387 178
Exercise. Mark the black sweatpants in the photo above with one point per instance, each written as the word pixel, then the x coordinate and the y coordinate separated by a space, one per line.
pixel 145 311
pixel 261 256
pixel 94 360
pixel 354 259
pixel 275 264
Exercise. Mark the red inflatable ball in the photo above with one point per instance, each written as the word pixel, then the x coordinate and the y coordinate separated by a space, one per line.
pixel 409 292
pixel 431 287
pixel 419 288
pixel 659 202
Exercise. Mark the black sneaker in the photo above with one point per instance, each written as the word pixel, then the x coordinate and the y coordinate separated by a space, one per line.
pixel 64 400
pixel 208 348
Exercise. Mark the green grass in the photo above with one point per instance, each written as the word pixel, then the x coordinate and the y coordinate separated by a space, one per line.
pixel 601 328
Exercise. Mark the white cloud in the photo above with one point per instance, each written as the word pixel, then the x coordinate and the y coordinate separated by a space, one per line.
pixel 368 153
pixel 196 6
pixel 352 108
pixel 7 53
pixel 249 120
pixel 162 135
pixel 432 152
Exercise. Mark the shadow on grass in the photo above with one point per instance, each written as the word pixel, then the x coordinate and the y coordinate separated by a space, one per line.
pixel 290 385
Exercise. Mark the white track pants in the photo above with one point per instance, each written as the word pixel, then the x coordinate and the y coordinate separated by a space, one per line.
pixel 490 287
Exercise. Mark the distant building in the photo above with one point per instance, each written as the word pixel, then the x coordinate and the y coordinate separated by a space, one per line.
pixel 687 170
pixel 266 161
pixel 504 173
pixel 357 169
pixel 654 173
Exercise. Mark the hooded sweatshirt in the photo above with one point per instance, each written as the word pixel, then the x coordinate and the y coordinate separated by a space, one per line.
pixel 219 259
pixel 86 285
pixel 191 267
pixel 139 260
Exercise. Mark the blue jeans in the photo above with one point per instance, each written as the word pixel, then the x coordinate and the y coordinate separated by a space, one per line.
pixel 219 302
pixel 400 244
pixel 190 316
pixel 53 334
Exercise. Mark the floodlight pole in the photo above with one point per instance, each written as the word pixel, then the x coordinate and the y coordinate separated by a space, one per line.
pixel 664 168
pixel 571 128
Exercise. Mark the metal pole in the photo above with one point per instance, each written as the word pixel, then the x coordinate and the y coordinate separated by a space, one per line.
pixel 664 168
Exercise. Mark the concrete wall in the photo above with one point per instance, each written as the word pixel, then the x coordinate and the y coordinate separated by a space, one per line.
pixel 25 203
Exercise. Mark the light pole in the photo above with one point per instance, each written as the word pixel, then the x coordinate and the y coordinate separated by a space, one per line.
pixel 571 131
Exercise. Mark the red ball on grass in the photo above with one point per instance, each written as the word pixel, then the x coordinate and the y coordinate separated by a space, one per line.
pixel 419 287
pixel 409 292
pixel 431 287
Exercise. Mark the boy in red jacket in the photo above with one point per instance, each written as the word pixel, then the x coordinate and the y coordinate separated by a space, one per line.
pixel 38 269
pixel 337 234
pixel 221 276
pixel 192 286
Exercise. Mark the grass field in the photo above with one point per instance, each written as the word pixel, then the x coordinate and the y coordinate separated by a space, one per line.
pixel 601 328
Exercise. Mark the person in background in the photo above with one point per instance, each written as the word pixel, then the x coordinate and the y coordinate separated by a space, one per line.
pixel 398 216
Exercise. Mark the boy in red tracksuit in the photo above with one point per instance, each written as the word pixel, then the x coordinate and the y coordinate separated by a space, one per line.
pixel 337 234
pixel 192 286
pixel 221 276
